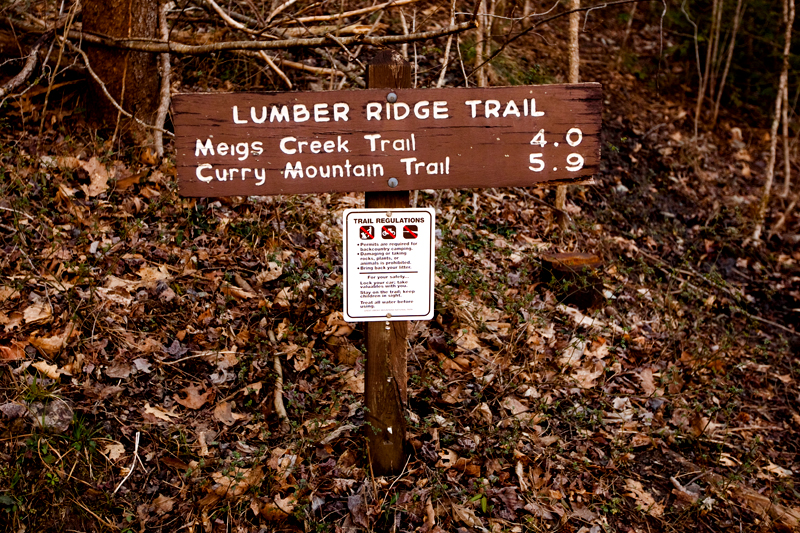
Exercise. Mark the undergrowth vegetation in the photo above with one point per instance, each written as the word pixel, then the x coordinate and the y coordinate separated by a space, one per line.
pixel 144 336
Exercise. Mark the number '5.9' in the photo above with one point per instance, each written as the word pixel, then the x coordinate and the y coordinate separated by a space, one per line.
pixel 574 161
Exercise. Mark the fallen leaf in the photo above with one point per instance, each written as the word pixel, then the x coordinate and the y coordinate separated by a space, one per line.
pixel 7 293
pixel 778 470
pixel 447 458
pixel 98 177
pixel 519 469
pixel 572 354
pixel 283 297
pixel 194 399
pixel 648 385
pixel 582 320
pixel 163 504
pixel 38 313
pixel 582 512
pixel 14 352
pixel 643 498
pixel 236 292
pixel 357 508
pixel 467 516
pixel 52 345
pixel 586 376
pixel 234 483
pixel 485 412
pixel 160 413
pixel 113 451
pixel 130 181
pixel 13 410
pixel 51 371
pixel 764 506
pixel 302 362
pixel 223 412
pixel 11 321
pixel 286 504
pixel 119 369
pixel 151 276
pixel 353 382
pixel 142 365
pixel 518 410
pixel 273 272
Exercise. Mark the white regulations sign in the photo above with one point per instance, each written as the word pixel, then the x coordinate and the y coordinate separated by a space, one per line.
pixel 388 264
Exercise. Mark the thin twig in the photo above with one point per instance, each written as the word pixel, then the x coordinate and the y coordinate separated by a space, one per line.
pixel 268 60
pixel 404 25
pixel 279 9
pixel 158 46
pixel 133 465
pixel 446 58
pixel 321 71
pixel 163 106
pixel 54 73
pixel 665 268
pixel 362 11
pixel 781 221
pixel 227 18
pixel 105 90
pixel 27 69
pixel 17 212
pixel 737 19
pixel 280 409
pixel 528 30
pixel 342 68
pixel 99 518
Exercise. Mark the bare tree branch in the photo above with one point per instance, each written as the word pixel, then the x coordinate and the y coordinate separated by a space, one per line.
pixel 362 11
pixel 27 69
pixel 532 27
pixel 166 67
pixel 102 85
pixel 159 47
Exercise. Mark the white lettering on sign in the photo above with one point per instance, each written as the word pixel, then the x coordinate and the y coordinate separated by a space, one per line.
pixel 376 143
pixel 491 108
pixel 361 170
pixel 242 150
pixel 306 152
pixel 299 113
pixel 400 111
pixel 291 146
pixel 441 167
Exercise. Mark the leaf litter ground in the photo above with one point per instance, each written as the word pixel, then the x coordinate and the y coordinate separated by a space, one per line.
pixel 139 334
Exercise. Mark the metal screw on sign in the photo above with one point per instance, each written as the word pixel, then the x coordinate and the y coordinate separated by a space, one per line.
pixel 393 182
pixel 388 214
pixel 391 98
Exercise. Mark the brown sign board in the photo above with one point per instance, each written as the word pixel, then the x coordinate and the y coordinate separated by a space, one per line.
pixel 246 144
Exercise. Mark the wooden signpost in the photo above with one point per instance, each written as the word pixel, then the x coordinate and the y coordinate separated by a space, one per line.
pixel 386 140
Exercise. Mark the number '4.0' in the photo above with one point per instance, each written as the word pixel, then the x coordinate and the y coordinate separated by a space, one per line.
pixel 539 138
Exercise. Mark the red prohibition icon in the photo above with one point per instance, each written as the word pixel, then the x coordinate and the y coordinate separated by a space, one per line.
pixel 366 232
pixel 389 232
pixel 410 232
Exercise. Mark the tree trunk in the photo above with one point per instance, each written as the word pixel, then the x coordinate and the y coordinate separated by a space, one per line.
pixel 574 77
pixel 130 77
pixel 788 19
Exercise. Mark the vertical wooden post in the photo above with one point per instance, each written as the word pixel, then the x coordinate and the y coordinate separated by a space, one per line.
pixel 386 387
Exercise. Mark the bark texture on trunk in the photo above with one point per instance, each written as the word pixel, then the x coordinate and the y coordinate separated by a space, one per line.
pixel 131 77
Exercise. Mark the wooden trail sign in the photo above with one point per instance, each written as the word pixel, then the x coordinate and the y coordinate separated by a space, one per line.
pixel 385 141
pixel 247 144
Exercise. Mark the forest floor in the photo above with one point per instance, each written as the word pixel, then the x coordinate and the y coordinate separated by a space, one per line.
pixel 139 332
